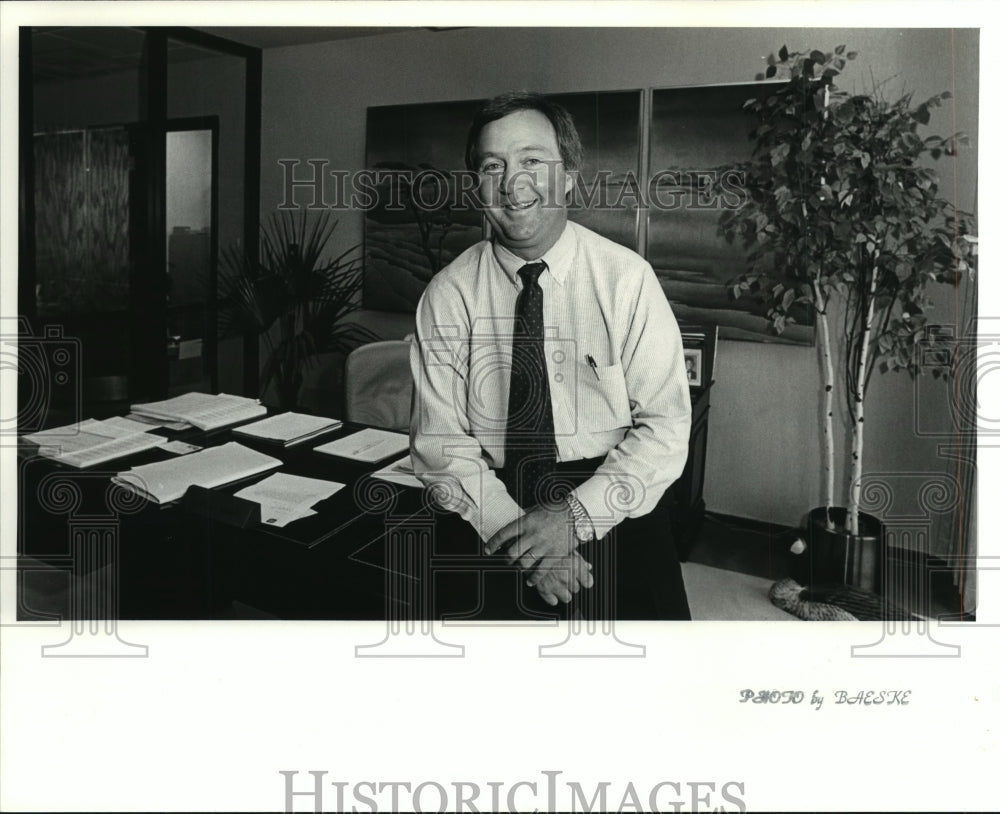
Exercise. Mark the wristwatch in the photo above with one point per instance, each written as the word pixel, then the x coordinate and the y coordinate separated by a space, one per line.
pixel 583 527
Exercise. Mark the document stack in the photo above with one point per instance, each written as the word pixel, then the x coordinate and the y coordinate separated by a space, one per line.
pixel 399 472
pixel 168 480
pixel 368 445
pixel 202 410
pixel 93 442
pixel 288 429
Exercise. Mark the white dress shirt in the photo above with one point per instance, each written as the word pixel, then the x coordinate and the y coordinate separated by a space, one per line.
pixel 615 368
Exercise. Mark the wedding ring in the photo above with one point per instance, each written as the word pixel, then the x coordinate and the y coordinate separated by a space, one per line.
pixel 529 554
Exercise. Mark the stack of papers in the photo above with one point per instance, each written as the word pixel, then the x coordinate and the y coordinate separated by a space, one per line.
pixel 204 411
pixel 93 442
pixel 288 429
pixel 158 422
pixel 368 445
pixel 169 480
pixel 284 498
pixel 399 472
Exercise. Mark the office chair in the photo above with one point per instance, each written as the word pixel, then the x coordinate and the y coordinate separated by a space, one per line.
pixel 378 385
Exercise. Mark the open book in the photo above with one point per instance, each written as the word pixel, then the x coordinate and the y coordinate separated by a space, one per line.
pixel 169 480
pixel 202 410
pixel 93 442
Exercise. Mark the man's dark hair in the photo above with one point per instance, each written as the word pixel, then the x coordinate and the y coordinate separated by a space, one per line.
pixel 570 149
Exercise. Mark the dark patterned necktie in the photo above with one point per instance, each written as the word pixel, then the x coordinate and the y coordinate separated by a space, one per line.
pixel 530 447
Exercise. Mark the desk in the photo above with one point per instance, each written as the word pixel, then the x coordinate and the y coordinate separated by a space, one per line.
pixel 374 550
pixel 686 494
pixel 169 562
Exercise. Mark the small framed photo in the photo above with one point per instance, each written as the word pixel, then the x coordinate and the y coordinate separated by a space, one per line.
pixel 692 364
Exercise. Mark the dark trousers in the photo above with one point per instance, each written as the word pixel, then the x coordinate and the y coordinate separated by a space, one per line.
pixel 636 571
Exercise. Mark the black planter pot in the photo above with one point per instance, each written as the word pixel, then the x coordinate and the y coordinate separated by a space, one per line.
pixel 835 557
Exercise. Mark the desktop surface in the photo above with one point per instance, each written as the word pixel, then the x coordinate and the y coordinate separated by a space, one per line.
pixel 195 557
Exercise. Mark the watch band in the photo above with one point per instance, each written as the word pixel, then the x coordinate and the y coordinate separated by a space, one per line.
pixel 583 527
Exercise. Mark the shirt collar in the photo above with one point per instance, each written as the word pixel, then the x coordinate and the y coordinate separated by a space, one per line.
pixel 557 259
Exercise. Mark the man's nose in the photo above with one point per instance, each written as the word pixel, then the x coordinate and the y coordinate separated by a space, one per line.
pixel 512 177
pixel 506 180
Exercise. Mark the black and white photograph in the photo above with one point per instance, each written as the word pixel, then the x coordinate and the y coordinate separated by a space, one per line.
pixel 589 360
pixel 692 366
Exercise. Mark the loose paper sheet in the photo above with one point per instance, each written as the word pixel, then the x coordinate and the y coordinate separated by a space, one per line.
pixel 284 498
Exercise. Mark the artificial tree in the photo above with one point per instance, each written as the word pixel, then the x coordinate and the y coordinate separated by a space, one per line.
pixel 841 203
pixel 292 284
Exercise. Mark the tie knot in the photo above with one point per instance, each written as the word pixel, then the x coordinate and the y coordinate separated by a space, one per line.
pixel 530 273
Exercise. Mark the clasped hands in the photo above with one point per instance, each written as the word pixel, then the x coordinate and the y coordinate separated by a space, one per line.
pixel 542 544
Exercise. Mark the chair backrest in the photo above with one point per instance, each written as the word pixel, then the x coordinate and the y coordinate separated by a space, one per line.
pixel 378 385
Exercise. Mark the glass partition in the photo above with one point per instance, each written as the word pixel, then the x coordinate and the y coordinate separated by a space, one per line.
pixel 138 171
pixel 191 256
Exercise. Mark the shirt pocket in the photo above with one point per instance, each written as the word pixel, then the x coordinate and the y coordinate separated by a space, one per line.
pixel 602 398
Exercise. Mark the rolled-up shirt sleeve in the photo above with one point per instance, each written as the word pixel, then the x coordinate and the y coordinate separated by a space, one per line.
pixel 651 456
pixel 446 456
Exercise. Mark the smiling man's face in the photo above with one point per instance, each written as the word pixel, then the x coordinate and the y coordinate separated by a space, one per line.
pixel 523 182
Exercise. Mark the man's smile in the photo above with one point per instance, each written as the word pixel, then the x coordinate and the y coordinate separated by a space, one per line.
pixel 515 206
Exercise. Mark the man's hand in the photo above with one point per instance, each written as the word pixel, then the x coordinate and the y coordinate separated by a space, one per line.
pixel 542 543
pixel 565 578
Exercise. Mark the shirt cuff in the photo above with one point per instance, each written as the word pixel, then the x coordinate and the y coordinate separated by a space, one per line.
pixel 496 511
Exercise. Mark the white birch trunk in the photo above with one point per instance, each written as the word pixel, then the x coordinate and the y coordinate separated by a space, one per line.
pixel 824 327
pixel 824 340
pixel 858 436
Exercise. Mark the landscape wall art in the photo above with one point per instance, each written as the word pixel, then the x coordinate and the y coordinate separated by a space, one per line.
pixel 699 132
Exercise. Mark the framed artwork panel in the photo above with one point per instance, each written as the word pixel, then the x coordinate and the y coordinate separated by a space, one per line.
pixel 698 135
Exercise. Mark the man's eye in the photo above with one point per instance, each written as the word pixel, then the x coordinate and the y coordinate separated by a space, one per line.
pixel 491 167
pixel 532 162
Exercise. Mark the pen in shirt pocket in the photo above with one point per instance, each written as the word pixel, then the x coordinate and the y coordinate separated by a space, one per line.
pixel 593 366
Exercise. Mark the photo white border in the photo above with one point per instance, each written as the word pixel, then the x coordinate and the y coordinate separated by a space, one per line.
pixel 218 709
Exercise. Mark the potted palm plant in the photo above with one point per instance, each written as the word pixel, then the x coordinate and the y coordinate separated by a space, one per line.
pixel 294 295
pixel 843 210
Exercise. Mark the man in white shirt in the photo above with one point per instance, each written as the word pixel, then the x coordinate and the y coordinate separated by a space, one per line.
pixel 609 408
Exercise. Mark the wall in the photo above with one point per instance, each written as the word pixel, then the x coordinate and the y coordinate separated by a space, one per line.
pixel 764 440
pixel 104 100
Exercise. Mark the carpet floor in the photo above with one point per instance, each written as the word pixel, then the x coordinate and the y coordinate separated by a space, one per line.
pixel 715 594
